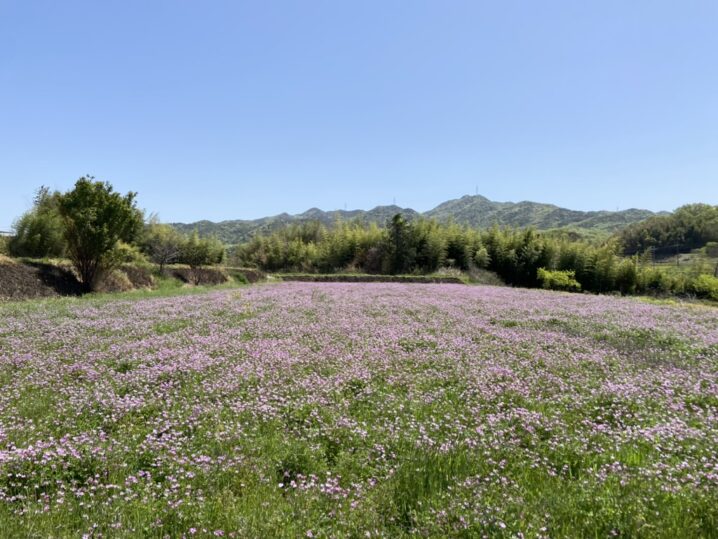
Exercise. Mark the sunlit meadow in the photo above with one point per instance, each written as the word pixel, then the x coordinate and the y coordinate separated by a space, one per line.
pixel 359 410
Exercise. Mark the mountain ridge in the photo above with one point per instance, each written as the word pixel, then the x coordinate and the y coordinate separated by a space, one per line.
pixel 473 210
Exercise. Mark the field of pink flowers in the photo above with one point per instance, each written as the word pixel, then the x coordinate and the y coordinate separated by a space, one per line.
pixel 359 410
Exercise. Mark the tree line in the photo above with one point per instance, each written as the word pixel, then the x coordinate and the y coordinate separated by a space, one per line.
pixel 520 257
pixel 689 227
pixel 98 229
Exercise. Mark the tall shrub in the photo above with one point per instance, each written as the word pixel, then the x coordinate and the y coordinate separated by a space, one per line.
pixel 95 219
pixel 39 232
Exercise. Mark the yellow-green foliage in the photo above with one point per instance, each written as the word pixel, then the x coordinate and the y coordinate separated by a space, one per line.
pixel 125 253
pixel 161 242
pixel 705 286
pixel 197 252
pixel 558 280
pixel 38 233
pixel 656 280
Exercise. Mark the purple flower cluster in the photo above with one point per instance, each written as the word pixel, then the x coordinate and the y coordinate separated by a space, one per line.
pixel 307 409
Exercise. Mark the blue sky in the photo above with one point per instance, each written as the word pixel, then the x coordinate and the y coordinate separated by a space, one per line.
pixel 225 110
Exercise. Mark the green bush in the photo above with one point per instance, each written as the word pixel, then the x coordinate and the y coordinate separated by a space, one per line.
pixel 657 281
pixel 125 253
pixel 95 219
pixel 558 280
pixel 3 245
pixel 39 232
pixel 627 276
pixel 705 286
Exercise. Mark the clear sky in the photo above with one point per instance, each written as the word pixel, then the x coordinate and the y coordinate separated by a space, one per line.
pixel 230 109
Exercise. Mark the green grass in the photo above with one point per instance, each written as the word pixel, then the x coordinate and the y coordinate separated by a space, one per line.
pixel 165 287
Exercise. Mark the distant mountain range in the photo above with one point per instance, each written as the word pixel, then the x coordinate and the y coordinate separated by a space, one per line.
pixel 477 211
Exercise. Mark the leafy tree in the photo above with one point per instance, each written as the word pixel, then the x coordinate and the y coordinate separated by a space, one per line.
pixel 430 245
pixel 339 248
pixel 197 252
pixel 95 219
pixel 39 232
pixel 689 227
pixel 400 254
pixel 482 258
pixel 627 276
pixel 162 243
pixel 532 253
pixel 458 249
pixel 368 250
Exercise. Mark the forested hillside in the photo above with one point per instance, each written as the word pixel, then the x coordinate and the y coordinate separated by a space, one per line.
pixel 476 211
pixel 689 227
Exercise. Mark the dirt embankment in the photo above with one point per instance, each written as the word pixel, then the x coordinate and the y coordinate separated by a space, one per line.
pixel 215 276
pixel 200 276
pixel 28 280
pixel 246 274
pixel 33 279
pixel 36 280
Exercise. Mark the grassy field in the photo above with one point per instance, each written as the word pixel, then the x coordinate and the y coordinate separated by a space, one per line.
pixel 358 410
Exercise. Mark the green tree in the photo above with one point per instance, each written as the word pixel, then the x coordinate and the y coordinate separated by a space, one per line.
pixel 689 227
pixel 482 258
pixel 95 219
pixel 627 276
pixel 39 232
pixel 400 254
pixel 162 243
pixel 197 252
pixel 430 245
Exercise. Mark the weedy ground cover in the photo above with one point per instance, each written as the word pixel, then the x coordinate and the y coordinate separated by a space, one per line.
pixel 358 410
